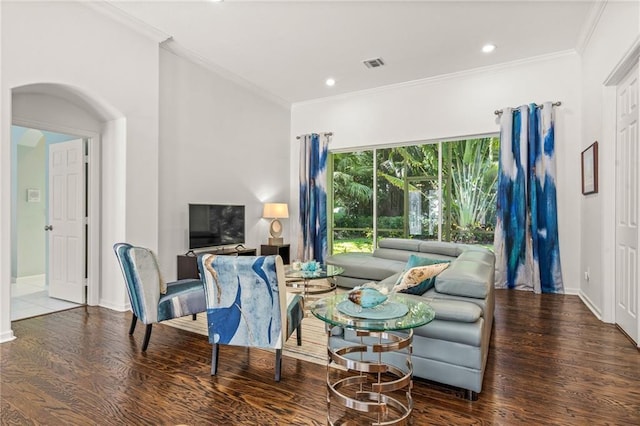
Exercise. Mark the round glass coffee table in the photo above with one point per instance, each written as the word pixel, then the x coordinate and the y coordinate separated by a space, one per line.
pixel 310 283
pixel 359 378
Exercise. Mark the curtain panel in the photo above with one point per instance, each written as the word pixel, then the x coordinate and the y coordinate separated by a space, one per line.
pixel 526 237
pixel 312 235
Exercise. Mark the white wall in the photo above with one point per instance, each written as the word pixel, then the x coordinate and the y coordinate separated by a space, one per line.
pixel 114 181
pixel 617 30
pixel 462 105
pixel 51 109
pixel 116 70
pixel 219 143
pixel 6 157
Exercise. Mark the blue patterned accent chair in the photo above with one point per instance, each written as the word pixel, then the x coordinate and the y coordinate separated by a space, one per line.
pixel 153 300
pixel 248 305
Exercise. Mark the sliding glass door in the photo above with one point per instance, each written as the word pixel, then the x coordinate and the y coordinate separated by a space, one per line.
pixel 351 189
pixel 436 191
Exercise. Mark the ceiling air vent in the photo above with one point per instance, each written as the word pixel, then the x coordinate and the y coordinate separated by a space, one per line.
pixel 374 63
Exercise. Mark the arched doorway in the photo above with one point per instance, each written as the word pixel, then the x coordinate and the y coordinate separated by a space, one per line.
pixel 65 109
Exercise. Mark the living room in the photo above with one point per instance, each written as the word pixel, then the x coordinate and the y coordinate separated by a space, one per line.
pixel 172 131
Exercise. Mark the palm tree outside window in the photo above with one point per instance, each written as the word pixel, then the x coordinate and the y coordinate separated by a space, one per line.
pixel 444 191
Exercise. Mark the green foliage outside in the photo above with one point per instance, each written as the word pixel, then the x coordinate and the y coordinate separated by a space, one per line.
pixel 408 195
pixel 364 245
pixel 475 177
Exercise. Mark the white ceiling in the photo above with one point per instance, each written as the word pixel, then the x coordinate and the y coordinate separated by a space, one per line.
pixel 289 48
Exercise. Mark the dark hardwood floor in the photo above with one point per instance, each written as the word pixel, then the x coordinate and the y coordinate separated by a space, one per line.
pixel 551 362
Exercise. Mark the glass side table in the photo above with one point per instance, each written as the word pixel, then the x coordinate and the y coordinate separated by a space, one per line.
pixel 358 378
pixel 299 281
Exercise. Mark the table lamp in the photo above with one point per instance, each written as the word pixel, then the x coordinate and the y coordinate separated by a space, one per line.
pixel 275 211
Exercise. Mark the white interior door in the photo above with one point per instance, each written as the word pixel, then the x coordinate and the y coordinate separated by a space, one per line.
pixel 66 225
pixel 627 206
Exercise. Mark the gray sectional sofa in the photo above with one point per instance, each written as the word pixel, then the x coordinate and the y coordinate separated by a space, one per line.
pixel 453 348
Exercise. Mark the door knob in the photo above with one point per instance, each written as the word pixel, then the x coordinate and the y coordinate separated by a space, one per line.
pixel 48 227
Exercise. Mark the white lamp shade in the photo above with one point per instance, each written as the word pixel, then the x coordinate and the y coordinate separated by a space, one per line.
pixel 275 210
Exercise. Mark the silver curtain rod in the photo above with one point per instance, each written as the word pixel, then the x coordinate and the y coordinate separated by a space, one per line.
pixel 324 133
pixel 555 104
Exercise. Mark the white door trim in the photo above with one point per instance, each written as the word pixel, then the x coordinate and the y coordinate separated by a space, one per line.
pixel 626 64
pixel 609 133
pixel 608 221
pixel 93 186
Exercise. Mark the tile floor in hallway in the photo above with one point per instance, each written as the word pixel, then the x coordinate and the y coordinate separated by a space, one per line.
pixel 30 298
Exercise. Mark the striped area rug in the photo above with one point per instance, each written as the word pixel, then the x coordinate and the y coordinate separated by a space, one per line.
pixel 314 337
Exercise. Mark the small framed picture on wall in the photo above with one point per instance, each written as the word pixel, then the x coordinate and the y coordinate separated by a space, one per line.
pixel 590 169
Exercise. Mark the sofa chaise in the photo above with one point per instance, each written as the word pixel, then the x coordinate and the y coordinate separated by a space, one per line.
pixel 453 348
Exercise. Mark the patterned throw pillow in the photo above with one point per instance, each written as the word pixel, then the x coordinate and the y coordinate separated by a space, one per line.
pixel 414 261
pixel 419 279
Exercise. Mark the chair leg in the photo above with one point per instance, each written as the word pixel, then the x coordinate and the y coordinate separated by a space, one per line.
pixel 214 358
pixel 134 320
pixel 299 334
pixel 278 363
pixel 195 316
pixel 147 336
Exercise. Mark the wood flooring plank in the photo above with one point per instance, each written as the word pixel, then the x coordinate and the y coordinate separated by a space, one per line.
pixel 12 415
pixel 551 362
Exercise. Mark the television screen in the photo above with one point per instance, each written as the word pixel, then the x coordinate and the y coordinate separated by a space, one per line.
pixel 215 225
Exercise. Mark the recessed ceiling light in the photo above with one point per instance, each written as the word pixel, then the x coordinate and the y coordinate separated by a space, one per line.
pixel 488 48
pixel 330 82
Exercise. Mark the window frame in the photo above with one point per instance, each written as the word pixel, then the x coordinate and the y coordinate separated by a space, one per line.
pixel 374 151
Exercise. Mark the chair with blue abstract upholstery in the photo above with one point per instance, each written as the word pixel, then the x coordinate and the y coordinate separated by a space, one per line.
pixel 153 300
pixel 247 304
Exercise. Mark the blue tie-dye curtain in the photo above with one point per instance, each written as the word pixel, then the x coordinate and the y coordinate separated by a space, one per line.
pixel 312 235
pixel 526 237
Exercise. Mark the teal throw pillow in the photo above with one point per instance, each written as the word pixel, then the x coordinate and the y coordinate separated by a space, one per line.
pixel 414 261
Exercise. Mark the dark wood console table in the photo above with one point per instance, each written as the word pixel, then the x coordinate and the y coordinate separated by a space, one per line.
pixel 188 266
pixel 282 250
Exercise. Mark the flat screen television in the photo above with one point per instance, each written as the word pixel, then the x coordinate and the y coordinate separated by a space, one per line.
pixel 213 225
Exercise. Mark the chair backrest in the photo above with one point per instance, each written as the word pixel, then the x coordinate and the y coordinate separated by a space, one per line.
pixel 142 280
pixel 246 300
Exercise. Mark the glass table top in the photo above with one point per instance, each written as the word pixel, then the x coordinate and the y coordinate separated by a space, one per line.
pixel 329 309
pixel 325 271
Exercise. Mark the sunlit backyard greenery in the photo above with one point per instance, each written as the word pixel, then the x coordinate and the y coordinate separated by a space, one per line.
pixel 353 245
pixel 440 191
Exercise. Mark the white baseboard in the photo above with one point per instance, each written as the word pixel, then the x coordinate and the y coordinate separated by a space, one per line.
pixel 114 306
pixel 572 291
pixel 7 336
pixel 589 304
pixel 29 279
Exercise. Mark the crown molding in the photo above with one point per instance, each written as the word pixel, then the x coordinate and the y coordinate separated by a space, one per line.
pixel 176 48
pixel 444 77
pixel 111 11
pixel 590 25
